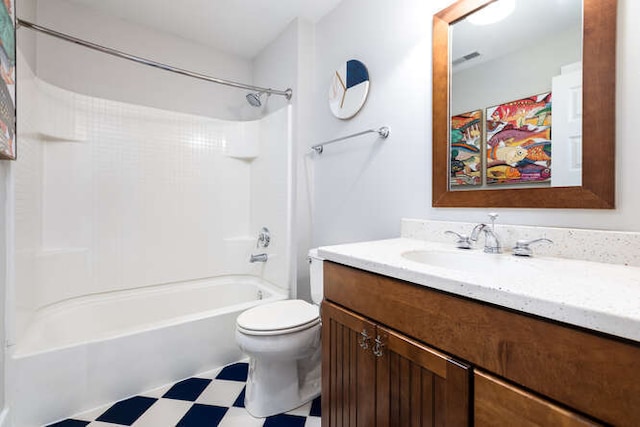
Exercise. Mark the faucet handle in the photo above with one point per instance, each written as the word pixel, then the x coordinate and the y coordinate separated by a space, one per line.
pixel 463 241
pixel 264 238
pixel 493 216
pixel 522 246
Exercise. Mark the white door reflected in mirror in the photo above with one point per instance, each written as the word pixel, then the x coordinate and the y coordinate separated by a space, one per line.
pixel 566 142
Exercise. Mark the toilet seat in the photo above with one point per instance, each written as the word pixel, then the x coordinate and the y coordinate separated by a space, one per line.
pixel 278 318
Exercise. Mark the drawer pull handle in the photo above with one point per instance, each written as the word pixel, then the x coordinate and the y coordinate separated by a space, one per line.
pixel 378 346
pixel 363 340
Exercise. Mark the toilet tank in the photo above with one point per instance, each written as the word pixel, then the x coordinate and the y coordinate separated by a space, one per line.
pixel 315 276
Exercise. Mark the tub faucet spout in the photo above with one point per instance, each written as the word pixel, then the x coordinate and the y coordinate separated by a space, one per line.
pixel 259 258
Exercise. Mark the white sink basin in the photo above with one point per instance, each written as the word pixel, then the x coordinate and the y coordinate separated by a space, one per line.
pixel 473 262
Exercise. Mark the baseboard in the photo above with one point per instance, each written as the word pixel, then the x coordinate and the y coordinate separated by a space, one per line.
pixel 4 418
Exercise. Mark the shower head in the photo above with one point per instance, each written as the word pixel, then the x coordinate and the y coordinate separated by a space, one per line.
pixel 253 98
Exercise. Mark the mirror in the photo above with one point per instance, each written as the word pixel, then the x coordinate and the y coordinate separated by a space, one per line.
pixel 515 71
pixel 591 187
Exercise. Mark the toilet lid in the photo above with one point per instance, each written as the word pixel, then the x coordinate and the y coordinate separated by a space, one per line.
pixel 279 316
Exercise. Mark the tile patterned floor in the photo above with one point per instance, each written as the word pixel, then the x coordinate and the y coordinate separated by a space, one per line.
pixel 208 400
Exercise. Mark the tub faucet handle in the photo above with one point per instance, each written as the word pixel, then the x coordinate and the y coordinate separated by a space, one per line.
pixel 264 238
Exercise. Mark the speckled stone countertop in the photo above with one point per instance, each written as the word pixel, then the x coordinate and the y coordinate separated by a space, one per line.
pixel 614 247
pixel 598 296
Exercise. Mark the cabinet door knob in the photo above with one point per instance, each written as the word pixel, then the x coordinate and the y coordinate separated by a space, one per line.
pixel 378 346
pixel 363 340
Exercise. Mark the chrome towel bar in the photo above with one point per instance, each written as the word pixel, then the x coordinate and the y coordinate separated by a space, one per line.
pixel 383 132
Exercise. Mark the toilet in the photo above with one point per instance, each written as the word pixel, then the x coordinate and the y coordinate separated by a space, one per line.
pixel 282 340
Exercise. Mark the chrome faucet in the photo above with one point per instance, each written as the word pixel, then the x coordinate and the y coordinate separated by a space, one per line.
pixel 259 258
pixel 491 240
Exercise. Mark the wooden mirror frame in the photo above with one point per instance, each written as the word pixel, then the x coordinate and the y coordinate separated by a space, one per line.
pixel 598 119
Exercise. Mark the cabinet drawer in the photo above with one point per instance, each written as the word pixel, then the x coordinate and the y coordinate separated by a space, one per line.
pixel 499 404
pixel 595 375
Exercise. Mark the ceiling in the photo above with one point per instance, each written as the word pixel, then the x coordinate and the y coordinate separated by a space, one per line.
pixel 531 22
pixel 239 27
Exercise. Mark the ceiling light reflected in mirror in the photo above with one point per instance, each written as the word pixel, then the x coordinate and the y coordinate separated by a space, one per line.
pixel 495 12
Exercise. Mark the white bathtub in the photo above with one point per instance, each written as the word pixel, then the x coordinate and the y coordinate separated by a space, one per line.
pixel 89 351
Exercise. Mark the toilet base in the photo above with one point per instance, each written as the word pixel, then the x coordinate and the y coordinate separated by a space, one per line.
pixel 274 390
pixel 280 384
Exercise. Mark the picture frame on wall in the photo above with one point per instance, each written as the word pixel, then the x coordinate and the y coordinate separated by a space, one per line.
pixel 466 149
pixel 518 142
pixel 8 148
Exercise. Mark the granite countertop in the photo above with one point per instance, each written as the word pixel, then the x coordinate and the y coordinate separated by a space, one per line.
pixel 598 296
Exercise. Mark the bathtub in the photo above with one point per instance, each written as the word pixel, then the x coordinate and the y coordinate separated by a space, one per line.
pixel 86 352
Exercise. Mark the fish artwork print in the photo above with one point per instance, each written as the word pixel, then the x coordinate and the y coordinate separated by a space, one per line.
pixel 519 141
pixel 465 153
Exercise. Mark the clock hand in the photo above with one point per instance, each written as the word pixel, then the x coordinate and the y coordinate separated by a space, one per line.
pixel 344 87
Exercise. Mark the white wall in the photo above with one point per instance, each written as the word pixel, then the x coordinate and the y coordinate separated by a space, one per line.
pixel 270 197
pixel 6 242
pixel 28 197
pixel 93 73
pixel 27 9
pixel 519 74
pixel 289 62
pixel 364 187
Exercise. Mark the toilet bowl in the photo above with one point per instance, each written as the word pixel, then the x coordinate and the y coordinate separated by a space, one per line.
pixel 282 340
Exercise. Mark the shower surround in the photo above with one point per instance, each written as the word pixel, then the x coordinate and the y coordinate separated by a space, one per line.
pixel 113 198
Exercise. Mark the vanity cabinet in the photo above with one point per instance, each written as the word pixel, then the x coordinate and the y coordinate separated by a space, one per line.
pixel 373 376
pixel 497 403
pixel 448 360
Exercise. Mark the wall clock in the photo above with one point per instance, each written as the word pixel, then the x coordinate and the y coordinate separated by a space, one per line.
pixel 349 89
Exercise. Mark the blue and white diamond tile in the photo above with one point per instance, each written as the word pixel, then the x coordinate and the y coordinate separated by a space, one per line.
pixel 189 389
pixel 70 423
pixel 213 399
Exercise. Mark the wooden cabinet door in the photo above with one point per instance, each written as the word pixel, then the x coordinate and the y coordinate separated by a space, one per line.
pixel 594 374
pixel 500 404
pixel 417 386
pixel 348 369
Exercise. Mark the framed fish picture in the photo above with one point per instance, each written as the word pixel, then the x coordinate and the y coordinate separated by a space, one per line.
pixel 466 146
pixel 7 80
pixel 518 147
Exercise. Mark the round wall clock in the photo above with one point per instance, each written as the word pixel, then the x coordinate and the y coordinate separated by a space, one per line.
pixel 349 89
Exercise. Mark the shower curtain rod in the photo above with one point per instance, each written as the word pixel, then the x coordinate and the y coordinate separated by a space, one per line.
pixel 22 23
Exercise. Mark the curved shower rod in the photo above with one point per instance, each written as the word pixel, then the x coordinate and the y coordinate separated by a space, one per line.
pixel 22 23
